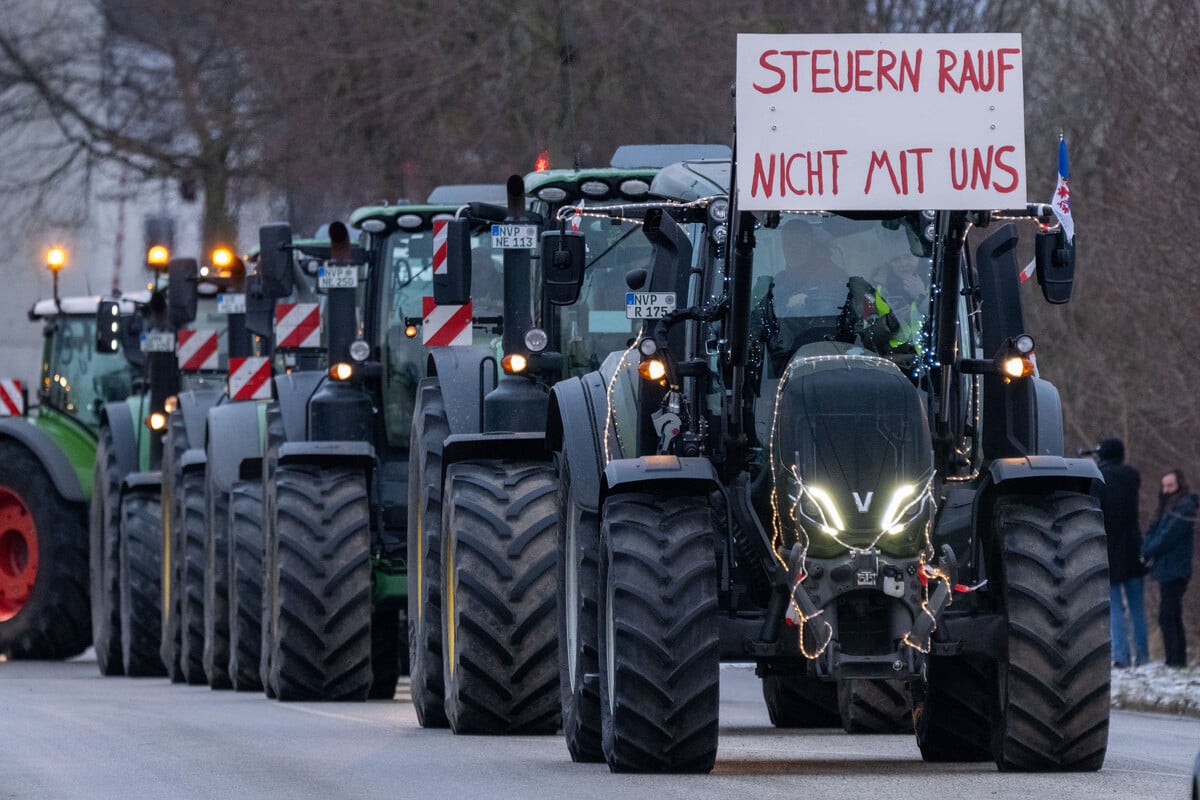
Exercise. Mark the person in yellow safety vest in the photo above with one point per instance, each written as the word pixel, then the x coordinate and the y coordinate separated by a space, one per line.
pixel 881 327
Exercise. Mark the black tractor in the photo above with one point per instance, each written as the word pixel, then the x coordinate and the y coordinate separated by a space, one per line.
pixel 829 452
pixel 482 515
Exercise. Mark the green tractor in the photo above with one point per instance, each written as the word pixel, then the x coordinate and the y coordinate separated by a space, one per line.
pixel 483 515
pixel 848 476
pixel 334 470
pixel 46 476
pixel 186 335
pixel 228 524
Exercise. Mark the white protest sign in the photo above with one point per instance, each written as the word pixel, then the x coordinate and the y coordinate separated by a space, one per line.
pixel 880 121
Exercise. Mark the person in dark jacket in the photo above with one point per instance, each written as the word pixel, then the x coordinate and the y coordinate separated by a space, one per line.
pixel 1168 549
pixel 1119 500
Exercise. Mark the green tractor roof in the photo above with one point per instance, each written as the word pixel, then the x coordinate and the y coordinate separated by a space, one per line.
pixel 598 184
pixel 386 219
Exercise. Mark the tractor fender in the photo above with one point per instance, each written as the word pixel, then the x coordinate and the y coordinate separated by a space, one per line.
pixel 659 474
pixel 294 390
pixel 1031 474
pixel 470 375
pixel 1048 432
pixel 526 446
pixel 121 420
pixel 232 437
pixel 142 482
pixel 192 458
pixel 1079 472
pixel 194 407
pixel 572 422
pixel 47 451
pixel 359 453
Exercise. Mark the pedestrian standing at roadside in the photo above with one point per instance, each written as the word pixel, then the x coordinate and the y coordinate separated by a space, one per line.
pixel 1119 500
pixel 1168 550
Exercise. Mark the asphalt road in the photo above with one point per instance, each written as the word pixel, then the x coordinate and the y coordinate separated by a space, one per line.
pixel 66 733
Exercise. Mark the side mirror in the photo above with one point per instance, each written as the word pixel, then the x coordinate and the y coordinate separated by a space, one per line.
pixel 1055 265
pixel 183 273
pixel 108 326
pixel 275 259
pixel 260 307
pixel 564 256
pixel 452 267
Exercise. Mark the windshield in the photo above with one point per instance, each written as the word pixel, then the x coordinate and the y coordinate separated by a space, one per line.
pixel 407 280
pixel 596 325
pixel 826 277
pixel 75 378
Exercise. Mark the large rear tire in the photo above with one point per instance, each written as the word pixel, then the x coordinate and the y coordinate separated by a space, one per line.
pixel 498 624
pixel 245 552
pixel 140 583
pixel 321 645
pixel 104 540
pixel 875 706
pixel 1054 683
pixel 215 655
pixel 429 432
pixel 659 643
pixel 798 701
pixel 578 594
pixel 44 610
pixel 953 711
pixel 189 567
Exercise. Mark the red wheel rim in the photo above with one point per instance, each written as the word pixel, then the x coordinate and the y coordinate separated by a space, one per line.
pixel 18 554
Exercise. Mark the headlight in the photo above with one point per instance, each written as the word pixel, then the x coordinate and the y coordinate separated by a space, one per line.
pixel 359 350
pixel 718 210
pixel 536 340
pixel 817 506
pixel 906 504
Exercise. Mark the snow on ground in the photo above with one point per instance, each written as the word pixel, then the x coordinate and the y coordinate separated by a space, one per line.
pixel 1157 687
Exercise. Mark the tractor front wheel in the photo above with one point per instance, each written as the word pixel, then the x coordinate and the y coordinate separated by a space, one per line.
pixel 659 643
pixel 103 533
pixel 245 574
pixel 140 569
pixel 498 626
pixel 321 632
pixel 1054 683
pixel 429 432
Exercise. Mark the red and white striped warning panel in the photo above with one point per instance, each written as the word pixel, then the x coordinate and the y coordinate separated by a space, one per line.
pixel 297 325
pixel 445 325
pixel 439 246
pixel 249 378
pixel 12 402
pixel 196 350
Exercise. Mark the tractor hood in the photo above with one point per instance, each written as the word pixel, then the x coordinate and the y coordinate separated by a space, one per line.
pixel 851 453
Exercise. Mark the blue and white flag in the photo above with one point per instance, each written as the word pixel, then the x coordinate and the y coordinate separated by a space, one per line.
pixel 1062 193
